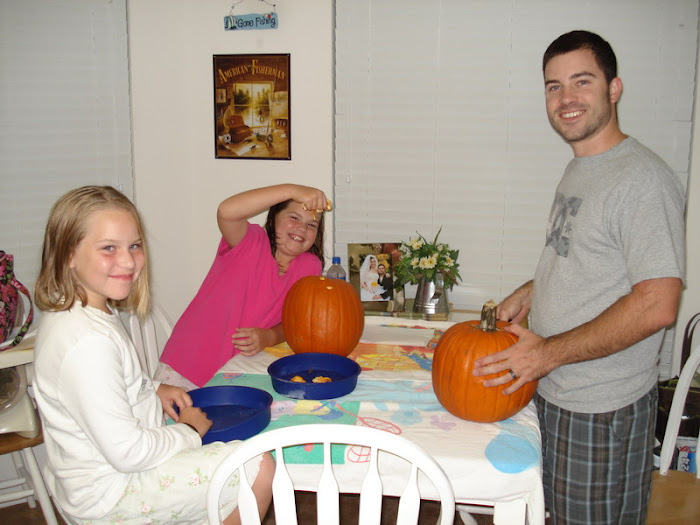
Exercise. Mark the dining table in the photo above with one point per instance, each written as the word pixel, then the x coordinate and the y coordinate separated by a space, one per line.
pixel 493 467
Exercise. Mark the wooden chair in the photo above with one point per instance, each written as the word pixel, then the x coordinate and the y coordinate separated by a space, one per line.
pixel 20 432
pixel 149 337
pixel 675 495
pixel 377 443
pixel 29 483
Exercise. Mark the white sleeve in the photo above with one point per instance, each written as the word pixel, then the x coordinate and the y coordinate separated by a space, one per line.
pixel 92 387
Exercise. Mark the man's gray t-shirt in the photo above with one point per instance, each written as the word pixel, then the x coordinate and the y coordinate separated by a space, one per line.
pixel 617 219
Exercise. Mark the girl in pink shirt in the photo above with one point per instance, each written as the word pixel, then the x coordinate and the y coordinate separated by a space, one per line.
pixel 238 308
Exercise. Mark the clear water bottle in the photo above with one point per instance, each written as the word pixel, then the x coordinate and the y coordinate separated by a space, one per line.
pixel 336 271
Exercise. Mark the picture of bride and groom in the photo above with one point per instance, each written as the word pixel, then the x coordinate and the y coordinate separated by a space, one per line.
pixel 371 272
pixel 376 284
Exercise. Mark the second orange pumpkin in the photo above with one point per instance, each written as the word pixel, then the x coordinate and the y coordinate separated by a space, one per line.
pixel 458 390
pixel 322 315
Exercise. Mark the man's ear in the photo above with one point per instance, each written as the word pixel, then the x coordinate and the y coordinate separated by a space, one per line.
pixel 615 90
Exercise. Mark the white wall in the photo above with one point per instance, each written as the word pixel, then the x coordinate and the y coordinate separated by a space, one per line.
pixel 178 182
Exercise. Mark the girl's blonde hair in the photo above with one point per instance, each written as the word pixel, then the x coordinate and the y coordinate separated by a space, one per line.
pixel 57 288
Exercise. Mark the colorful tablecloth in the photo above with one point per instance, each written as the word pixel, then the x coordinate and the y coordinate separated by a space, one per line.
pixel 486 463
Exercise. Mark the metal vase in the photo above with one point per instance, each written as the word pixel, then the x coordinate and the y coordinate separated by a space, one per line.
pixel 431 297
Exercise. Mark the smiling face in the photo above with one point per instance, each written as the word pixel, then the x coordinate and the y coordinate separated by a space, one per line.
pixel 381 270
pixel 580 102
pixel 295 231
pixel 109 258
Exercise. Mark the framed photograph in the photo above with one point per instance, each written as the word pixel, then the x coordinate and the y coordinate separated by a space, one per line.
pixel 371 272
pixel 251 107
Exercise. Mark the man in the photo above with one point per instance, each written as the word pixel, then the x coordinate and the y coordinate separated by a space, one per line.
pixel 607 284
pixel 385 281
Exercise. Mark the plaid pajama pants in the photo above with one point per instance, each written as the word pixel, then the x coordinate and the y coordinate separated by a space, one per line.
pixel 597 467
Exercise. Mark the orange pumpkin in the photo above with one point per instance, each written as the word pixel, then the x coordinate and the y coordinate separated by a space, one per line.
pixel 458 390
pixel 322 315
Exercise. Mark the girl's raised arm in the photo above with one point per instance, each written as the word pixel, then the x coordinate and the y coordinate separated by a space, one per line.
pixel 234 212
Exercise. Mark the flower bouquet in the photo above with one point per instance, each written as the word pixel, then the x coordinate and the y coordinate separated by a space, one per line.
pixel 420 258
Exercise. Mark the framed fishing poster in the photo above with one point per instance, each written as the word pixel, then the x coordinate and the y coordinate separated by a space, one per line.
pixel 251 107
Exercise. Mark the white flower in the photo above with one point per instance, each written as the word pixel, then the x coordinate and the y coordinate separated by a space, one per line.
pixel 428 262
pixel 421 258
pixel 416 243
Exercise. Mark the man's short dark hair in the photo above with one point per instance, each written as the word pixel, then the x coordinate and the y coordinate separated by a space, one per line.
pixel 579 39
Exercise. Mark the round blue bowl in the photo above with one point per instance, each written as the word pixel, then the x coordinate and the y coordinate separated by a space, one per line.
pixel 237 412
pixel 342 371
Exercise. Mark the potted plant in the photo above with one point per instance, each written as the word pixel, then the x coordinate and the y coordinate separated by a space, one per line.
pixel 431 265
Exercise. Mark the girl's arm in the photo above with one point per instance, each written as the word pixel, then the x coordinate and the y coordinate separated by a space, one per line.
pixel 251 341
pixel 171 397
pixel 234 212
pixel 98 403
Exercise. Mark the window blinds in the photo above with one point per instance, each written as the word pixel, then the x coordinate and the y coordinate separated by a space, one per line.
pixel 64 97
pixel 440 120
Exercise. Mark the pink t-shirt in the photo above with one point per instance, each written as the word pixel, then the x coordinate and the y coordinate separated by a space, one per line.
pixel 242 289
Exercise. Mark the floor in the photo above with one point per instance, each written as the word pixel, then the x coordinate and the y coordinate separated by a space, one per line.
pixel 306 503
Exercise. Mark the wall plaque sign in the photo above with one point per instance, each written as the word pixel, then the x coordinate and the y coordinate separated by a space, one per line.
pixel 251 22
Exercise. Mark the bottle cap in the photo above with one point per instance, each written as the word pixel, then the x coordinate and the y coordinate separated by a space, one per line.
pixel 336 260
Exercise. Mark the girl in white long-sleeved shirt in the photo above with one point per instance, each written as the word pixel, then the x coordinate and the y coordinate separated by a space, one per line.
pixel 110 457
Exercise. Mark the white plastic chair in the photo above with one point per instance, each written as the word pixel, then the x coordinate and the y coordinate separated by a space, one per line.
pixel 328 503
pixel 675 495
pixel 145 334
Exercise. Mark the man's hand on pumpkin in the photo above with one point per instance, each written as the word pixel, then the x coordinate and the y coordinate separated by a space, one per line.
pixel 525 360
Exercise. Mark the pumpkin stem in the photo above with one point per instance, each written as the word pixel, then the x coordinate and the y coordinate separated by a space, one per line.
pixel 488 316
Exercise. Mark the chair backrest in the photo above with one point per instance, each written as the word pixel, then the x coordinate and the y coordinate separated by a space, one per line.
pixel 668 446
pixel 328 503
pixel 145 335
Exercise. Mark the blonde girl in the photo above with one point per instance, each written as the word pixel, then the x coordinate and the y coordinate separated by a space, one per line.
pixel 111 458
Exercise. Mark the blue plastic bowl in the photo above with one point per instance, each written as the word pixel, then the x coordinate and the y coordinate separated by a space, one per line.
pixel 237 412
pixel 342 371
